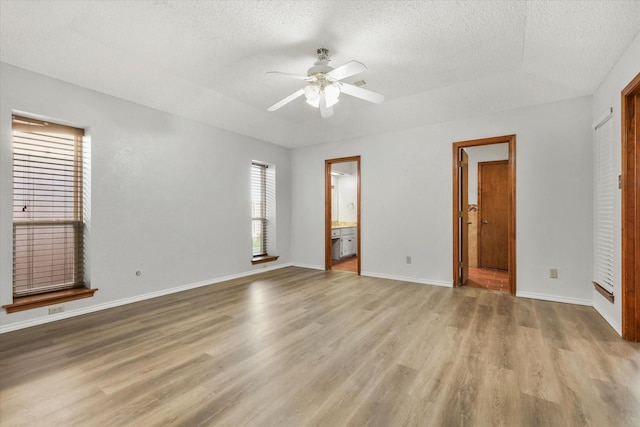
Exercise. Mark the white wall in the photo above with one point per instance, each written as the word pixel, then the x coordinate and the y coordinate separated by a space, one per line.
pixel 347 187
pixel 169 196
pixel 406 180
pixel 606 96
pixel 344 202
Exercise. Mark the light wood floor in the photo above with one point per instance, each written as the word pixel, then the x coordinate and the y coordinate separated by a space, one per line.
pixel 298 347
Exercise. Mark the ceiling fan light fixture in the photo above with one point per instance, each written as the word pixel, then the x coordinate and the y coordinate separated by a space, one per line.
pixel 314 102
pixel 324 85
pixel 332 92
pixel 311 92
pixel 331 101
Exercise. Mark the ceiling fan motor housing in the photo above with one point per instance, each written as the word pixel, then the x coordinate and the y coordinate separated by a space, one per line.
pixel 321 66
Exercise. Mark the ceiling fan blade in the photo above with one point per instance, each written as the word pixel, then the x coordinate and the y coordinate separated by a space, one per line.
pixel 291 76
pixel 349 69
pixel 286 100
pixel 358 92
pixel 325 111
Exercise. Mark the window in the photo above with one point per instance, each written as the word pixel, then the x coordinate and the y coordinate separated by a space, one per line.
pixel 47 207
pixel 605 188
pixel 263 212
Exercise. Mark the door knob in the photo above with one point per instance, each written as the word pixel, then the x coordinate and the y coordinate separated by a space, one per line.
pixel 484 221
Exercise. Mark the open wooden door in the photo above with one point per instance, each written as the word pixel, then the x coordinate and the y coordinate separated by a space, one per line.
pixel 464 216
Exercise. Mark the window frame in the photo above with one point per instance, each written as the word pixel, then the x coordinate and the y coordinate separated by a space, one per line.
pixel 259 177
pixel 260 170
pixel 48 179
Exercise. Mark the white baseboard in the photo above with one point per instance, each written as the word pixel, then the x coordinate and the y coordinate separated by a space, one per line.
pixel 98 307
pixel 554 298
pixel 598 300
pixel 310 266
pixel 447 284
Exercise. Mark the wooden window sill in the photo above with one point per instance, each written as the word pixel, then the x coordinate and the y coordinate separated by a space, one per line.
pixel 263 258
pixel 49 298
pixel 602 291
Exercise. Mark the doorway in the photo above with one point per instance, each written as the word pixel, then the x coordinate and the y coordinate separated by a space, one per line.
pixel 631 210
pixel 484 213
pixel 342 214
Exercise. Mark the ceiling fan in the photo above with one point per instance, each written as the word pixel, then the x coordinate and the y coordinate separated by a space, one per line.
pixel 325 86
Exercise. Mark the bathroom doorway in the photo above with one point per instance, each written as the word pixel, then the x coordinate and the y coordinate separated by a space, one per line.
pixel 342 214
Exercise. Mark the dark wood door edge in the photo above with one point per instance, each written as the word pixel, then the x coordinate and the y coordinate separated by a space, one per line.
pixel 630 212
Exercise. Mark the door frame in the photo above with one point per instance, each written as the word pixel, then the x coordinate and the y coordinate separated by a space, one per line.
pixel 630 212
pixel 327 209
pixel 479 221
pixel 464 221
pixel 457 147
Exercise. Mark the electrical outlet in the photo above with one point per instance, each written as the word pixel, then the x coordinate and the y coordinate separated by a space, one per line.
pixel 55 310
pixel 408 259
pixel 553 273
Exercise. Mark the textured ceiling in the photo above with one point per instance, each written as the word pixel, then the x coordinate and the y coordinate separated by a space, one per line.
pixel 433 60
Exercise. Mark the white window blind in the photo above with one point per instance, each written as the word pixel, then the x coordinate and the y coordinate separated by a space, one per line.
pixel 263 208
pixel 47 207
pixel 605 187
